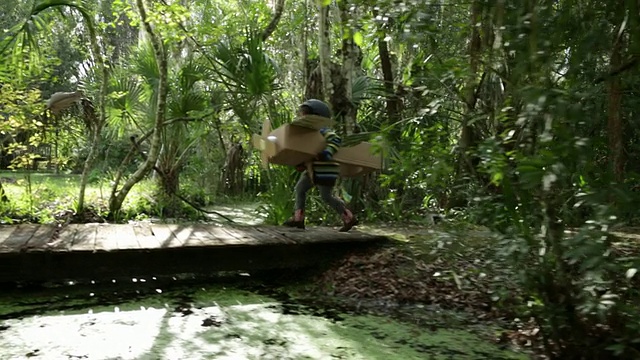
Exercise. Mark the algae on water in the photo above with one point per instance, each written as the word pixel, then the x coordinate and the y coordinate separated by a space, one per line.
pixel 201 321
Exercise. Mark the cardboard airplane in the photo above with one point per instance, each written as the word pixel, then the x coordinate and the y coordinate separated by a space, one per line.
pixel 300 141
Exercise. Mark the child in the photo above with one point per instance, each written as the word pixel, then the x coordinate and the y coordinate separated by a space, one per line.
pixel 325 173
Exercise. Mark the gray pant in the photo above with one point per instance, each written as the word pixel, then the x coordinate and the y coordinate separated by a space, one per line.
pixel 304 185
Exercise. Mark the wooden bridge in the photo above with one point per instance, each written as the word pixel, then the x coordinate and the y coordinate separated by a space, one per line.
pixel 31 252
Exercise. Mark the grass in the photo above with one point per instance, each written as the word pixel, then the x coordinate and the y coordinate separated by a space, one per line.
pixel 45 198
pixel 42 197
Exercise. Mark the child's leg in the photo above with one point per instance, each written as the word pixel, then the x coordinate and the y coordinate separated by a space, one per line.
pixel 302 187
pixel 339 206
pixel 326 193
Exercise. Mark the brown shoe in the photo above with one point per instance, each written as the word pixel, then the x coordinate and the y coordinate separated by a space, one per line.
pixel 296 221
pixel 348 220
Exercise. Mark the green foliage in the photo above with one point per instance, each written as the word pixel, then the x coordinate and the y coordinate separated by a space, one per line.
pixel 22 38
pixel 48 198
pixel 278 200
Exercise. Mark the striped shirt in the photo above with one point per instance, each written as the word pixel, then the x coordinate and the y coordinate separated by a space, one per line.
pixel 326 171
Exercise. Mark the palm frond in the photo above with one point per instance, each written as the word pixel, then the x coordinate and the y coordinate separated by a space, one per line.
pixel 355 139
pixel 228 64
pixel 21 38
pixel 190 73
pixel 187 96
pixel 127 99
pixel 143 62
pixel 365 88
pixel 246 70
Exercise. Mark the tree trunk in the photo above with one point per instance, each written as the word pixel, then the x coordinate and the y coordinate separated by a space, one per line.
pixel 614 120
pixel 167 169
pixel 115 203
pixel 347 108
pixel 233 170
pixel 98 125
pixel 3 195
pixel 305 53
pixel 393 110
pixel 324 43
pixel 467 133
pixel 273 24
pixel 170 186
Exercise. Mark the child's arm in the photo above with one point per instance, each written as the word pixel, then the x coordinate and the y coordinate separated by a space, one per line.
pixel 333 144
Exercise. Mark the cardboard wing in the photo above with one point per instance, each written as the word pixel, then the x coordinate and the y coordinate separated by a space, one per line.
pixel 263 143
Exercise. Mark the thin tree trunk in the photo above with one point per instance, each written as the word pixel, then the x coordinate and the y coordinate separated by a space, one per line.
pixel 325 51
pixel 467 135
pixel 96 130
pixel 115 203
pixel 387 74
pixel 55 144
pixel 273 24
pixel 170 185
pixel 305 52
pixel 216 123
pixel 3 195
pixel 348 66
pixel 614 121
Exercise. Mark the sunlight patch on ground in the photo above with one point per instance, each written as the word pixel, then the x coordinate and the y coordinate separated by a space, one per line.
pixel 243 214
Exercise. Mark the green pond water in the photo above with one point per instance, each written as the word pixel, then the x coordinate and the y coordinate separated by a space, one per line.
pixel 208 319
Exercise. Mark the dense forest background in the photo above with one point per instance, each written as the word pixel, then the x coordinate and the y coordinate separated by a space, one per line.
pixel 521 116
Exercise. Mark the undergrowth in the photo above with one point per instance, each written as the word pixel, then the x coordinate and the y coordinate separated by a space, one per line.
pixel 48 198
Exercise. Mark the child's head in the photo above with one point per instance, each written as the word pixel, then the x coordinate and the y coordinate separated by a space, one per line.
pixel 314 107
pixel 304 110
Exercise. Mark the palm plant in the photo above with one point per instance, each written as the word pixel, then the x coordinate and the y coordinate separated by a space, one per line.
pixel 186 99
pixel 133 106
pixel 160 54
pixel 248 74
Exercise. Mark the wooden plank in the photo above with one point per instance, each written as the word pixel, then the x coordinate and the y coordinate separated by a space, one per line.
pixel 85 237
pixel 257 235
pixel 244 237
pixel 225 238
pixel 292 235
pixel 316 234
pixel 41 238
pixel 322 234
pixel 330 234
pixel 203 235
pixel 126 237
pixel 144 235
pixel 64 239
pixel 106 237
pixel 272 232
pixel 296 236
pixel 18 238
pixel 181 232
pixel 207 237
pixel 5 232
pixel 165 235
pixel 191 235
